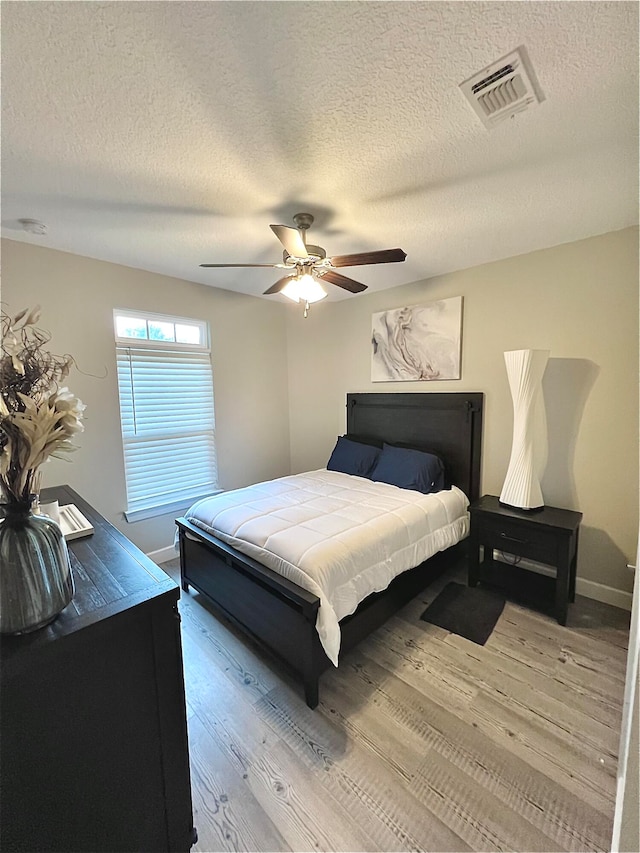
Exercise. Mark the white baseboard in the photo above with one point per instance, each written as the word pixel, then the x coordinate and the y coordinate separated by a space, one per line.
pixel 163 554
pixel 606 594
pixel 590 589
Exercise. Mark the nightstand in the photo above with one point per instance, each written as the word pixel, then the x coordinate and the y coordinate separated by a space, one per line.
pixel 548 536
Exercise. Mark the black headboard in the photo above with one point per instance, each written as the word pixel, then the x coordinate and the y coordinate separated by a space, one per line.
pixel 447 424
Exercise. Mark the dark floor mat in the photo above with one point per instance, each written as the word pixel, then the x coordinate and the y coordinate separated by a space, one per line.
pixel 471 612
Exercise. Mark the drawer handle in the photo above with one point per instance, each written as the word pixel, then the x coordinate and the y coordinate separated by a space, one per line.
pixel 514 539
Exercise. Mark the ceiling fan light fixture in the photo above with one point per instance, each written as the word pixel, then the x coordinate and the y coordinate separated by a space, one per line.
pixel 308 266
pixel 304 288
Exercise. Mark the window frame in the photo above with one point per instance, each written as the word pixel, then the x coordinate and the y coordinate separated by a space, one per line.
pixel 134 343
pixel 166 318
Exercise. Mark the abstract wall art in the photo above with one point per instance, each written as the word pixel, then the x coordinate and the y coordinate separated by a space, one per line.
pixel 420 342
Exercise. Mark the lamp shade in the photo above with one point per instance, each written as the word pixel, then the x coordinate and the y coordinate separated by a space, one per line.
pixel 304 287
pixel 525 369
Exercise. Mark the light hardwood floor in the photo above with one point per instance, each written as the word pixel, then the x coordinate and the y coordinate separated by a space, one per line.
pixel 422 739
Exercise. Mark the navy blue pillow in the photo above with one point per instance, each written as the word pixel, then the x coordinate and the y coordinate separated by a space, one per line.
pixel 350 457
pixel 409 469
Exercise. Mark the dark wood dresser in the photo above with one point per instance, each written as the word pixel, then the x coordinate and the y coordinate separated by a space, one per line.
pixel 93 733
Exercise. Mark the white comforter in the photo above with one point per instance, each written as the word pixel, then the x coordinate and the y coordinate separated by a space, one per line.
pixel 338 536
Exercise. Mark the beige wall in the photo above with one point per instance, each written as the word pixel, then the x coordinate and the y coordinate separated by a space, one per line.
pixel 281 381
pixel 78 296
pixel 580 301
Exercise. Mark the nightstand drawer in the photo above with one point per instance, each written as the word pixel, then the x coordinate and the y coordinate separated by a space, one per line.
pixel 522 539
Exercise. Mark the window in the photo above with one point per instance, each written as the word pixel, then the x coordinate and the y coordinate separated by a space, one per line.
pixel 165 383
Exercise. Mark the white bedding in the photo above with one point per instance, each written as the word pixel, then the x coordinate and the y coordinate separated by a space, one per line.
pixel 338 536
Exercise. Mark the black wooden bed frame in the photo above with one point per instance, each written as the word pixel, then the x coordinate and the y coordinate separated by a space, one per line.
pixel 279 614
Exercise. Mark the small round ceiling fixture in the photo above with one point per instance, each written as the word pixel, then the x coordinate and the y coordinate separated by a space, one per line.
pixel 33 226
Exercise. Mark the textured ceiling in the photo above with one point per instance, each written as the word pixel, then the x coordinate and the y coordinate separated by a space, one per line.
pixel 162 135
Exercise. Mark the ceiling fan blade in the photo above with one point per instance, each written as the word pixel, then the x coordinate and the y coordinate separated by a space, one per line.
pixel 278 286
pixel 384 256
pixel 221 266
pixel 342 281
pixel 291 240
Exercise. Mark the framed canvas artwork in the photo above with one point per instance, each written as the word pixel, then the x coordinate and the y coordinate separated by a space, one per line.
pixel 420 342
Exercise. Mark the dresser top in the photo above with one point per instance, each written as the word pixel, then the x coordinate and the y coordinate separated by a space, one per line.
pixel 548 516
pixel 111 575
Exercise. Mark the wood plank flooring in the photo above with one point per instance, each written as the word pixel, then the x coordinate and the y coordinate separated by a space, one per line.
pixel 422 739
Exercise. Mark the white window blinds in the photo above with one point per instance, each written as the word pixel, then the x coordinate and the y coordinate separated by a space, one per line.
pixel 168 431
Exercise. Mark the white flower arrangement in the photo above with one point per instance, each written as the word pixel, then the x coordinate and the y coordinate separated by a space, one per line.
pixel 38 416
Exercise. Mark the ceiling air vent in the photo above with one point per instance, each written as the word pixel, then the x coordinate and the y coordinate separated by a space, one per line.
pixel 504 88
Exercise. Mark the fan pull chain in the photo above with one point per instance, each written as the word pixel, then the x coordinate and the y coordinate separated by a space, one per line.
pixel 306 310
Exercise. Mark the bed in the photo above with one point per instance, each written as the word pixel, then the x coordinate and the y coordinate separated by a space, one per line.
pixel 280 614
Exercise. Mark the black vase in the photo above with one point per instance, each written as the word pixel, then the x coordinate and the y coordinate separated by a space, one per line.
pixel 36 582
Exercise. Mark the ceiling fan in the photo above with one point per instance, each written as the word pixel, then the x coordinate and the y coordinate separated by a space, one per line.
pixel 307 265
